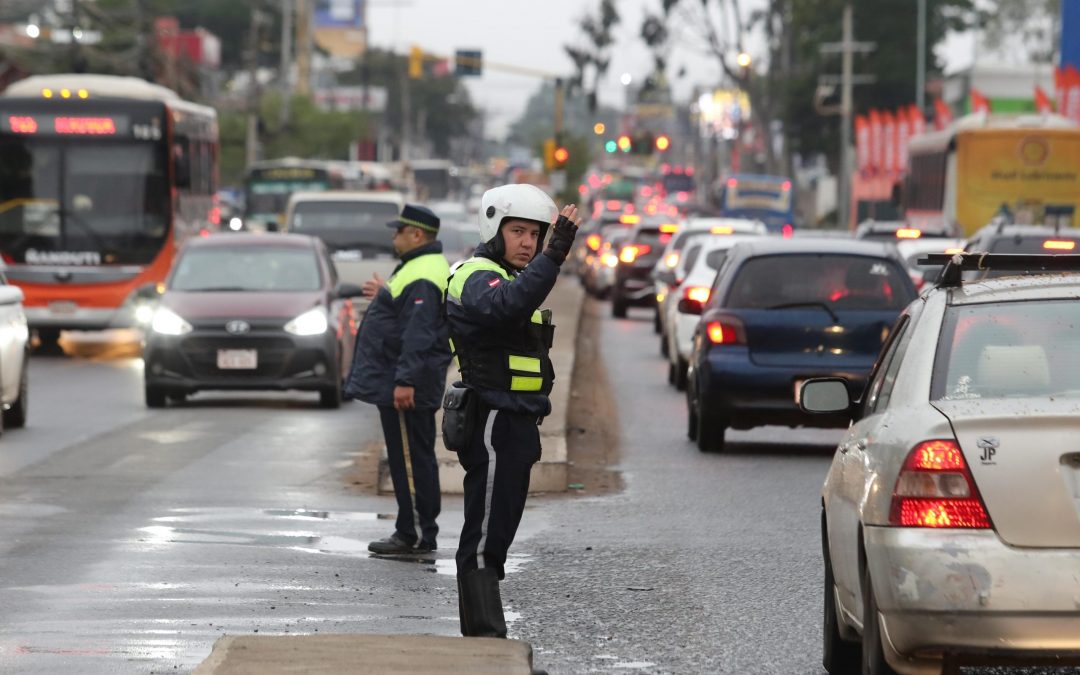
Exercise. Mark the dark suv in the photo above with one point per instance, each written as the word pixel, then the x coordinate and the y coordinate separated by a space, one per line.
pixel 638 254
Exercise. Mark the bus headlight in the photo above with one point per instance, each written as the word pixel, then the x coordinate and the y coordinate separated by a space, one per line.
pixel 311 322
pixel 168 322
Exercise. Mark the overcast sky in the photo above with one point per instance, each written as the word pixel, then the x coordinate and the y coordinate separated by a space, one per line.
pixel 531 34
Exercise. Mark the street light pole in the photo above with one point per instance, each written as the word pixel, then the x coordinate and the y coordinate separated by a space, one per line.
pixel 920 57
pixel 845 120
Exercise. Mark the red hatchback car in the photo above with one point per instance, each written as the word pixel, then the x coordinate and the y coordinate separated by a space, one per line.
pixel 250 312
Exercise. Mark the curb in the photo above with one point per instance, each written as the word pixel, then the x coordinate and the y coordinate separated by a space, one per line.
pixel 567 301
pixel 346 654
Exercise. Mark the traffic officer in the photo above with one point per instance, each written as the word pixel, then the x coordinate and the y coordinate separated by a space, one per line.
pixel 501 340
pixel 402 354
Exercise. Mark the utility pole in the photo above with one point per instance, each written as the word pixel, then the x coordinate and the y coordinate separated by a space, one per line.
pixel 847 81
pixel 251 146
pixel 920 57
pixel 286 59
pixel 303 47
pixel 406 112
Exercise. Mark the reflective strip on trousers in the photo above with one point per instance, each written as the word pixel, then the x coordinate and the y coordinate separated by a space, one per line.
pixel 489 488
pixel 524 364
pixel 522 383
pixel 408 475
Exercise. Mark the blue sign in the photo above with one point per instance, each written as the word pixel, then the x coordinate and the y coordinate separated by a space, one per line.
pixel 339 14
pixel 1070 33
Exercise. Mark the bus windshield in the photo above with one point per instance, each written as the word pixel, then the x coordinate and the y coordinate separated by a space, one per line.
pixel 268 189
pixel 85 203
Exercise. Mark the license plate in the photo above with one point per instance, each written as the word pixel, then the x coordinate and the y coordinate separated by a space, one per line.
pixel 237 359
pixel 798 389
pixel 64 307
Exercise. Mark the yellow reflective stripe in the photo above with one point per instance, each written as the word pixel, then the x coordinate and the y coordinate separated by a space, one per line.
pixel 525 364
pixel 537 317
pixel 521 383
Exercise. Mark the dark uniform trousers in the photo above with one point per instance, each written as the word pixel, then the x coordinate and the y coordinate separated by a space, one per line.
pixel 497 463
pixel 415 473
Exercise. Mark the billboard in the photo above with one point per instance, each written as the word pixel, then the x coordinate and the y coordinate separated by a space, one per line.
pixel 340 27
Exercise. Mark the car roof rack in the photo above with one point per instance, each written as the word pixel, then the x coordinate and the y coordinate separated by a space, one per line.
pixel 956 263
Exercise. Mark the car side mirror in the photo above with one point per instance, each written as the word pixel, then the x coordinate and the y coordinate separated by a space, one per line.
pixel 824 395
pixel 688 306
pixel 344 290
pixel 272 226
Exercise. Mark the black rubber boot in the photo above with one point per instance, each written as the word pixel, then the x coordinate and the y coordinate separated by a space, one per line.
pixel 480 604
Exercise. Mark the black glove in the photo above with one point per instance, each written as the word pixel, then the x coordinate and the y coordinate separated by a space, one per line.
pixel 562 238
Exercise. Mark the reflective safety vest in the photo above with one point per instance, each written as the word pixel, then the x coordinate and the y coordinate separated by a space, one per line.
pixel 512 357
pixel 432 267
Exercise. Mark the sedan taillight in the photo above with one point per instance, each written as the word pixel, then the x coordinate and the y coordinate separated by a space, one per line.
pixel 935 489
pixel 725 331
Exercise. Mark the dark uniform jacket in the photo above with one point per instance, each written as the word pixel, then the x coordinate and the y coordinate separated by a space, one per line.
pixel 403 339
pixel 488 302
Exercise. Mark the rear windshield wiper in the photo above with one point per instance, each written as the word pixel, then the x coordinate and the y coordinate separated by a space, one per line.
pixel 794 305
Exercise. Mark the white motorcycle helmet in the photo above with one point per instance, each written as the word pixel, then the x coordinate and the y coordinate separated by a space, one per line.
pixel 524 201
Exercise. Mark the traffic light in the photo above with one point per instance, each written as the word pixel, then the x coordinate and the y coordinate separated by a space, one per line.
pixel 416 63
pixel 562 156
pixel 624 143
pixel 550 147
pixel 611 146
pixel 662 143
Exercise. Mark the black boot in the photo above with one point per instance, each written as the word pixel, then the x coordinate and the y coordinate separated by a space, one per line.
pixel 480 605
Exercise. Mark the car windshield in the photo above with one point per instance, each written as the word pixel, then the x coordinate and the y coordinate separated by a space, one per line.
pixel 246 268
pixel 1009 349
pixel 839 282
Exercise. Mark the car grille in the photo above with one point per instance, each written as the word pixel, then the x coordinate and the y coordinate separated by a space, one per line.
pixel 276 356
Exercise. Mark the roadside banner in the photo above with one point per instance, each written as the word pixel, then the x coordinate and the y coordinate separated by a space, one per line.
pixel 877 147
pixel 862 143
pixel 888 142
pixel 903 133
pixel 918 120
pixel 943 116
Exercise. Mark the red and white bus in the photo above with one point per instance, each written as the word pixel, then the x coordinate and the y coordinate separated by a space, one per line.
pixel 101 179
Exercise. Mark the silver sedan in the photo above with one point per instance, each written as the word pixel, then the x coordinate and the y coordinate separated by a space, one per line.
pixel 951 511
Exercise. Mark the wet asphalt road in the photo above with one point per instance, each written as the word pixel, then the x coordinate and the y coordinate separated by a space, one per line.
pixel 704 564
pixel 131 539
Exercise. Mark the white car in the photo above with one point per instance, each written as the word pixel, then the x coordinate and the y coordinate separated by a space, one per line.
pixel 951 511
pixel 697 271
pixel 14 357
pixel 913 249
pixel 665 273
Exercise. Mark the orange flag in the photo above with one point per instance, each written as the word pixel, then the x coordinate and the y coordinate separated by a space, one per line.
pixel 979 103
pixel 1043 104
pixel 943 116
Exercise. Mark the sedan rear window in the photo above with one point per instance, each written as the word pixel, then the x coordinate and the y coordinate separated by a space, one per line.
pixel 247 268
pixel 840 282
pixel 1002 350
pixel 714 259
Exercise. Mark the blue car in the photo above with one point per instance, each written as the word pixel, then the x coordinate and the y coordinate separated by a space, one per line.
pixel 781 312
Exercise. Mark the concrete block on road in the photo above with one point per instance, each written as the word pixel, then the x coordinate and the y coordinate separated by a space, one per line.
pixel 340 654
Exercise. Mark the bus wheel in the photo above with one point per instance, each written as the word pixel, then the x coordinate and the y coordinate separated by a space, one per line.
pixel 155 397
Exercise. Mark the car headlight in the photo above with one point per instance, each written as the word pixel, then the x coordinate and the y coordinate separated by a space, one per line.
pixel 144 313
pixel 311 322
pixel 168 322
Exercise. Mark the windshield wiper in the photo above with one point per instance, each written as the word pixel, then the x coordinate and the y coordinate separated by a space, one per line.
pixel 794 305
pixel 214 289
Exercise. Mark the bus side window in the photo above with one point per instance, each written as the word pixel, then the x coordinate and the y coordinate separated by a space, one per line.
pixel 181 155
